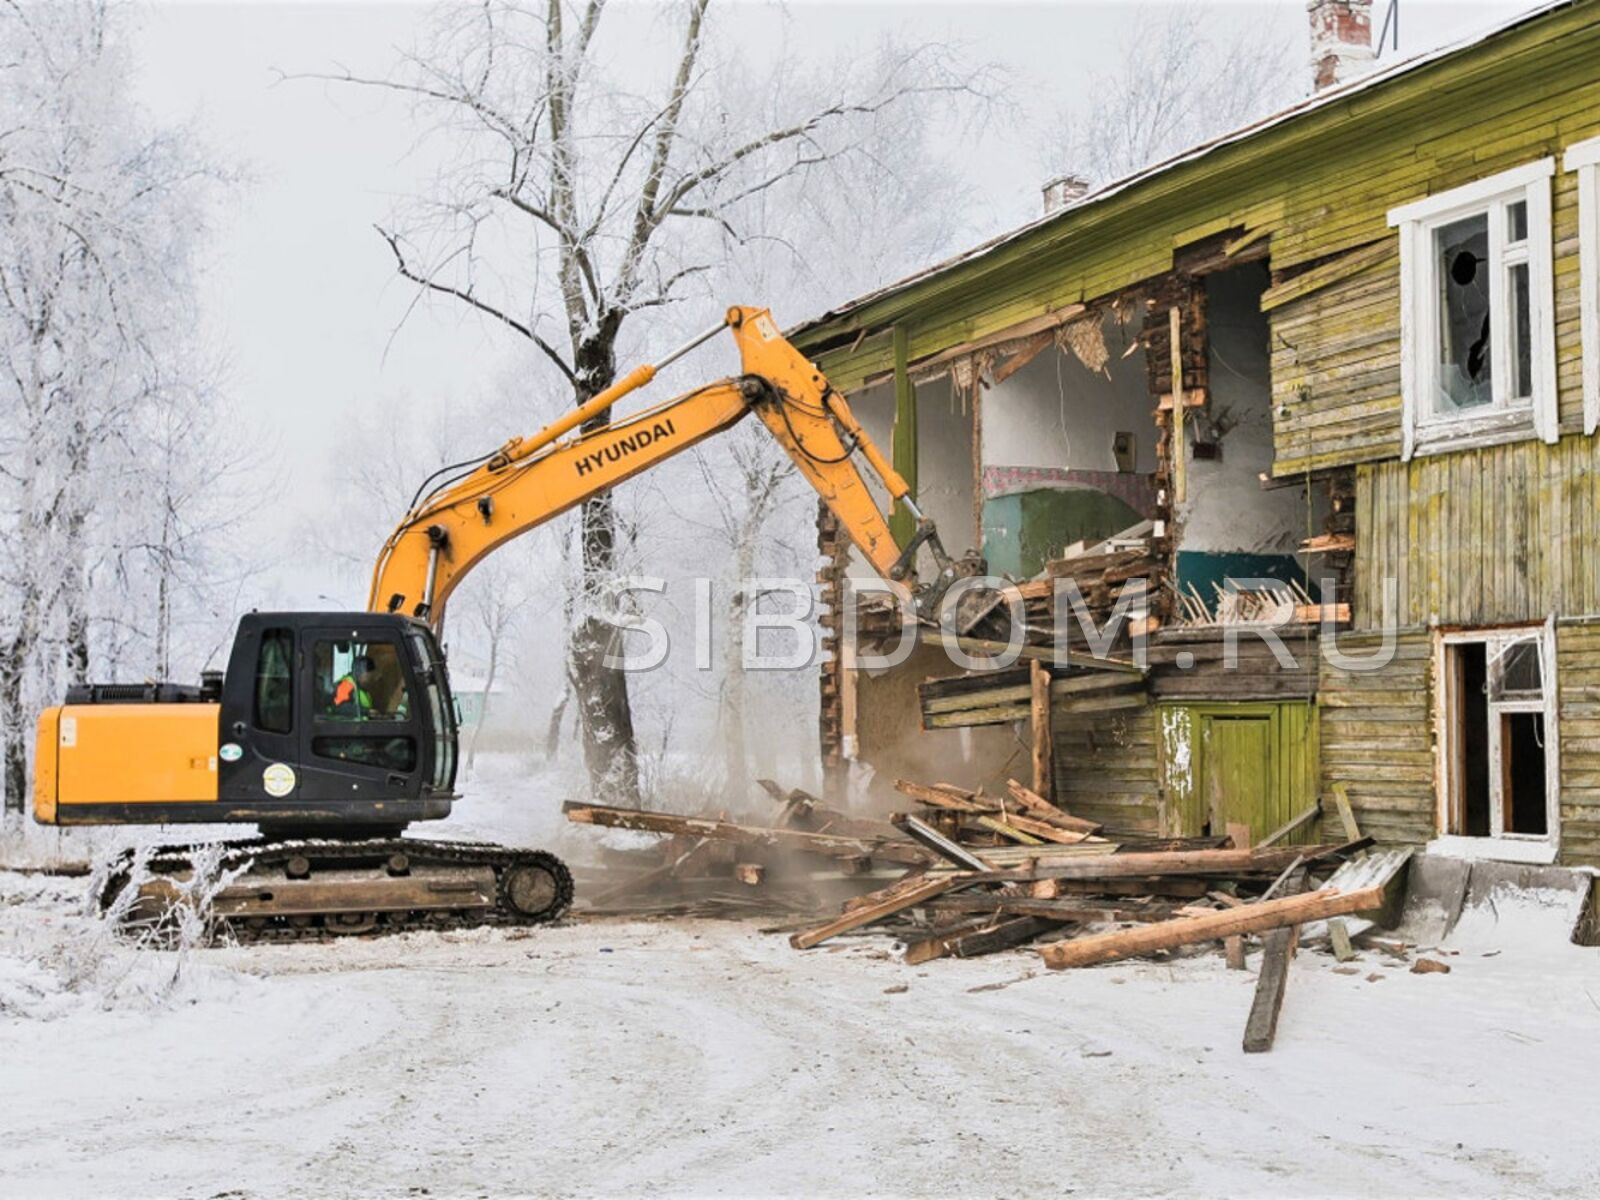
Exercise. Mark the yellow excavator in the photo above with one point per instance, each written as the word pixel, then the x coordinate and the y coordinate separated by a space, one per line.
pixel 334 731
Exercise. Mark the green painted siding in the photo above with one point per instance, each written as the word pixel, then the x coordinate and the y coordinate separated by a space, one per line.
pixel 1377 738
pixel 1481 537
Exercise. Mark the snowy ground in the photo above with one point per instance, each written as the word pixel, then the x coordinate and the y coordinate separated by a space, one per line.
pixel 610 1057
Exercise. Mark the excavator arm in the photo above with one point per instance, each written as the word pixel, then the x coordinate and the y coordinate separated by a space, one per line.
pixel 530 480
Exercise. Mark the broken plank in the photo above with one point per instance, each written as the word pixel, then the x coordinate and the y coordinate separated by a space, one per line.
pixel 879 905
pixel 1056 910
pixel 930 837
pixel 832 845
pixel 939 796
pixel 1291 826
pixel 1185 931
pixel 1039 677
pixel 1043 809
pixel 1261 1028
pixel 1341 800
pixel 1045 830
pixel 994 825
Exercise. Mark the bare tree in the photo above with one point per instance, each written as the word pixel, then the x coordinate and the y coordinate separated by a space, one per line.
pixel 98 216
pixel 579 197
pixel 1185 73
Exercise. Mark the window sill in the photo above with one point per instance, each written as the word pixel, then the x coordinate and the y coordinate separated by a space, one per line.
pixel 1538 852
pixel 1443 437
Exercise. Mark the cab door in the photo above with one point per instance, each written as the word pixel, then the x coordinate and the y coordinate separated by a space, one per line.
pixel 259 741
pixel 363 737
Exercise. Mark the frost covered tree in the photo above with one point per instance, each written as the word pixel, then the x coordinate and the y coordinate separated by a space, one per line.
pixel 107 492
pixel 606 162
pixel 1184 73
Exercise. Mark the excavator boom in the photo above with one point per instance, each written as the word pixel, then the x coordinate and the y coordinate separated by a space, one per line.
pixel 529 481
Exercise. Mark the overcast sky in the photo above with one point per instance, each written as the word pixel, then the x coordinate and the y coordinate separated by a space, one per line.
pixel 302 291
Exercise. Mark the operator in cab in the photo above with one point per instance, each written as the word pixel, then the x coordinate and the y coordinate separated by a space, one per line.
pixel 360 691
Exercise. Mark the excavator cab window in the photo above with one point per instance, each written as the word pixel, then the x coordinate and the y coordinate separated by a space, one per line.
pixel 274 691
pixel 359 681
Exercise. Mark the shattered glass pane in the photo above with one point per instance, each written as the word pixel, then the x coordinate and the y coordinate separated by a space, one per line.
pixel 1515 674
pixel 1461 251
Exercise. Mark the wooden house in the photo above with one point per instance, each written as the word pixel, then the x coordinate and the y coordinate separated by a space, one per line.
pixel 1354 348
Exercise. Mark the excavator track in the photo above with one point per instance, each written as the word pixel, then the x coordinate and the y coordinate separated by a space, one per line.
pixel 319 889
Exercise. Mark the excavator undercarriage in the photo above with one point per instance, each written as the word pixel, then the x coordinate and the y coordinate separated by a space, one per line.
pixel 298 890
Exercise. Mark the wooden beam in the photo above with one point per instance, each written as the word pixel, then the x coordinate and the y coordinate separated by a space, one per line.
pixel 881 904
pixel 1180 470
pixel 1185 931
pixel 1173 862
pixel 1347 817
pixel 1039 677
pixel 903 437
pixel 832 845
pixel 970 940
pixel 1262 1026
pixel 943 796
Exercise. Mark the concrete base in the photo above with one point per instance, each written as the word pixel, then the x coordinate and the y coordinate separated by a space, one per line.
pixel 1440 889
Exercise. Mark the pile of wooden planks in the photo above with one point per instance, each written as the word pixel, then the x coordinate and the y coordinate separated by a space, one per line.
pixel 961 873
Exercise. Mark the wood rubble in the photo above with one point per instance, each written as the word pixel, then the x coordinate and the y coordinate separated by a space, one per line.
pixel 960 874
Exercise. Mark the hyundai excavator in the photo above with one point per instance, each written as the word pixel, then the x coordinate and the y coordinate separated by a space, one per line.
pixel 334 731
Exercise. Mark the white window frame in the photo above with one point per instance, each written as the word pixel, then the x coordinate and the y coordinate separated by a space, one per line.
pixel 1423 430
pixel 1584 158
pixel 1499 845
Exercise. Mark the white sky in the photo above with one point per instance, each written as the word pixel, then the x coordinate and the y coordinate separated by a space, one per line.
pixel 303 292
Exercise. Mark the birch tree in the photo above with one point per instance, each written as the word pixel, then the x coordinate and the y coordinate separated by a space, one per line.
pixel 581 195
pixel 98 220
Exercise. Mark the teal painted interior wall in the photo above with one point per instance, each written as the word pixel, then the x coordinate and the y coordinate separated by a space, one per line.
pixel 1025 530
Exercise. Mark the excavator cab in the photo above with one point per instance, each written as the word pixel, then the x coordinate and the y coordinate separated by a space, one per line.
pixel 324 723
pixel 339 719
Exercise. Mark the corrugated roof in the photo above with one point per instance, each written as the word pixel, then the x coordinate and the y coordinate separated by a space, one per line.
pixel 1312 103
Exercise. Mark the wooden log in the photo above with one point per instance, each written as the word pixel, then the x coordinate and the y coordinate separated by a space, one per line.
pixel 881 904
pixel 1224 863
pixel 1039 678
pixel 831 845
pixel 1185 931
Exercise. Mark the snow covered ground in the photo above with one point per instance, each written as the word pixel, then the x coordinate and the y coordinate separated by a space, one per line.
pixel 613 1057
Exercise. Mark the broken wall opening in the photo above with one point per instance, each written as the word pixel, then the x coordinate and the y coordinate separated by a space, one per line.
pixel 1068 443
pixel 1228 527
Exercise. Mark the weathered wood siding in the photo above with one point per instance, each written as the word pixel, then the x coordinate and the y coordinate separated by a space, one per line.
pixel 1336 350
pixel 1106 768
pixel 1377 737
pixel 1578 680
pixel 1480 537
pixel 1321 186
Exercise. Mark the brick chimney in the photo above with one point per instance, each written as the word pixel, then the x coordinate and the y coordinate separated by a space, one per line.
pixel 1062 191
pixel 1341 40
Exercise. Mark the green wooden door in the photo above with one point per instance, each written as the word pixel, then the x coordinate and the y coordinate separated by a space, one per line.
pixel 1253 763
pixel 1237 763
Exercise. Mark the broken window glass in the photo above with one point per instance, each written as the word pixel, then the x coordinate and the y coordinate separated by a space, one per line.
pixel 1464 376
pixel 1515 673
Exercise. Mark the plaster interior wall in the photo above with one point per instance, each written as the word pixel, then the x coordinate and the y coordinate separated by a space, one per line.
pixel 1056 413
pixel 1227 509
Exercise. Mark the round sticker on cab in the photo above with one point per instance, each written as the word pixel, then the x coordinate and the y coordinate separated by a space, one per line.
pixel 230 752
pixel 278 779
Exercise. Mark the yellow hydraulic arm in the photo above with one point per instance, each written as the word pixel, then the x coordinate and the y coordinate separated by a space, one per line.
pixel 530 480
